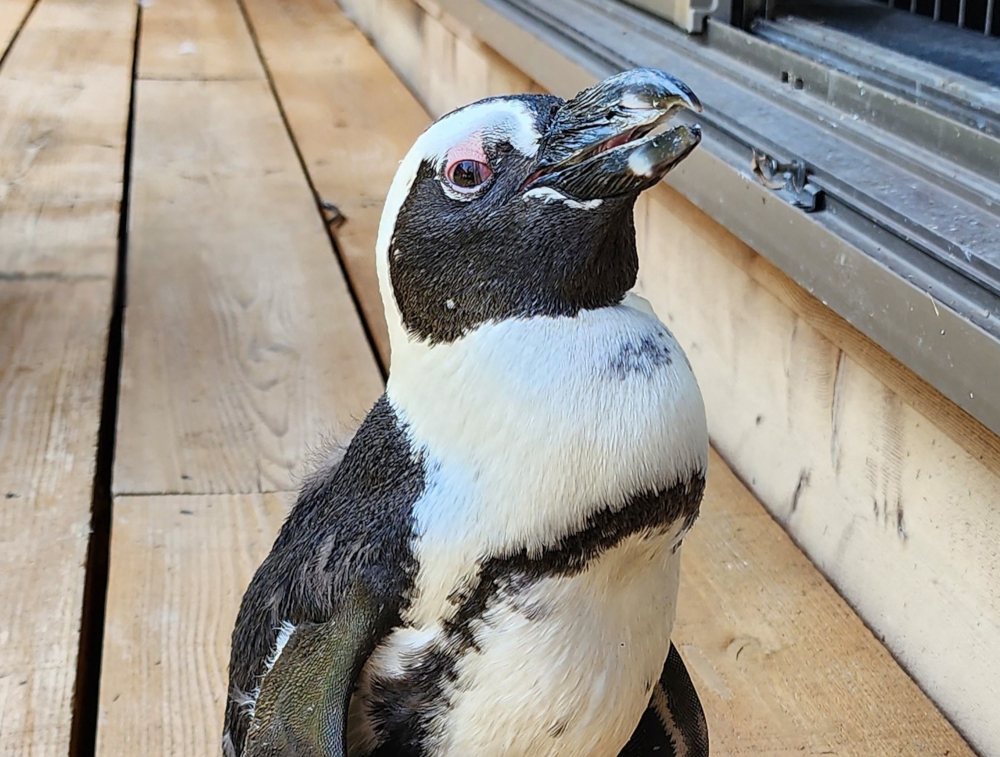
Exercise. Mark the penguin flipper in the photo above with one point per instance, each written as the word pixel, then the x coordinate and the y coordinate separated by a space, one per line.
pixel 301 710
pixel 674 724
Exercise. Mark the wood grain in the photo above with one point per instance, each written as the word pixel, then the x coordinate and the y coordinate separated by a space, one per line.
pixel 782 664
pixel 12 15
pixel 52 342
pixel 242 344
pixel 352 120
pixel 882 499
pixel 179 566
pixel 196 39
pixel 64 96
pixel 64 92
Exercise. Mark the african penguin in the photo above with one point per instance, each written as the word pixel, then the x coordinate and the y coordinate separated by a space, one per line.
pixel 490 568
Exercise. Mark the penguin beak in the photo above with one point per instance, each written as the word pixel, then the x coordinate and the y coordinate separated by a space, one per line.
pixel 599 143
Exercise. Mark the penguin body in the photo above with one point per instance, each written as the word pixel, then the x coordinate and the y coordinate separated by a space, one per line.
pixel 492 566
pixel 580 518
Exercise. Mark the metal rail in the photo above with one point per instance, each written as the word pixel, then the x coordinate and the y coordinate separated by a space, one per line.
pixel 962 14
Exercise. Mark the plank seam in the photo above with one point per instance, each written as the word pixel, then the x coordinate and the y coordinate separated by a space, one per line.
pixel 51 276
pixel 17 33
pixel 198 78
pixel 168 493
pixel 337 253
pixel 83 732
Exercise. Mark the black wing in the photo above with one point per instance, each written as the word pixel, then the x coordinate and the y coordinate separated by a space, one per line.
pixel 333 585
pixel 674 724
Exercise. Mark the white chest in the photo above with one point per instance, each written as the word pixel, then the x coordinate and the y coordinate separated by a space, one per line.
pixel 527 429
pixel 566 669
pixel 561 669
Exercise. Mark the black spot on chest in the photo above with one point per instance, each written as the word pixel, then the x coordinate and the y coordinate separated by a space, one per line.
pixel 639 355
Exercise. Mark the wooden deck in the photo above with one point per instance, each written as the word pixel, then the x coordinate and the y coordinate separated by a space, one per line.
pixel 163 377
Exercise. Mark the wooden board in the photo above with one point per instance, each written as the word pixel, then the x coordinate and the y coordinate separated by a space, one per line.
pixel 64 92
pixel 888 505
pixel 783 666
pixel 196 39
pixel 352 119
pixel 242 344
pixel 64 96
pixel 52 342
pixel 12 15
pixel 179 566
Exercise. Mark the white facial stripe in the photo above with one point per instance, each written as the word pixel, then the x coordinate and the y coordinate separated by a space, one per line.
pixel 548 194
pixel 510 120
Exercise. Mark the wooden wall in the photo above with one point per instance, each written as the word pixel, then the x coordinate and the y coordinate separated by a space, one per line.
pixel 890 489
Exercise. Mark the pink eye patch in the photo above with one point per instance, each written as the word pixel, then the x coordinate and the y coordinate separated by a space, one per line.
pixel 466 164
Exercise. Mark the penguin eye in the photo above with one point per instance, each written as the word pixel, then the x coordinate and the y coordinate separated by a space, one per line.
pixel 466 175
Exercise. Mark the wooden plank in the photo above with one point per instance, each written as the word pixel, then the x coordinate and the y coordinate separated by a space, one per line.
pixel 179 566
pixel 783 666
pixel 52 342
pixel 352 118
pixel 242 344
pixel 64 96
pixel 12 15
pixel 64 92
pixel 196 39
pixel 884 500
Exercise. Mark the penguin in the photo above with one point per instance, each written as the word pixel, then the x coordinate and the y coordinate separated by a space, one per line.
pixel 490 568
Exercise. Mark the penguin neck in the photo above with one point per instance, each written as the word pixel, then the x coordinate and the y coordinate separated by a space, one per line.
pixel 541 421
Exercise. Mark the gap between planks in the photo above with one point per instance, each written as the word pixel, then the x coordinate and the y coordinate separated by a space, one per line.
pixel 64 97
pixel 242 346
pixel 330 213
pixel 14 14
pixel 232 372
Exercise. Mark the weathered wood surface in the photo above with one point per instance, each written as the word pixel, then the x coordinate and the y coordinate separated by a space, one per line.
pixel 179 566
pixel 829 435
pixel 352 119
pixel 242 345
pixel 52 342
pixel 64 91
pixel 64 95
pixel 12 15
pixel 782 664
pixel 196 39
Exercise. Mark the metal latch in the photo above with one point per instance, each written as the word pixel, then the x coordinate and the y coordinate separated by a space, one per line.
pixel 790 180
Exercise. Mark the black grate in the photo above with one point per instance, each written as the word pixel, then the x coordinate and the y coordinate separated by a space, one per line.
pixel 975 15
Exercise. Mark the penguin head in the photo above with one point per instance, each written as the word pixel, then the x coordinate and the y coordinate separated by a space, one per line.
pixel 521 206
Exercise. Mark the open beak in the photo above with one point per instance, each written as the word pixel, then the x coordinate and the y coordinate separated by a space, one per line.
pixel 599 144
